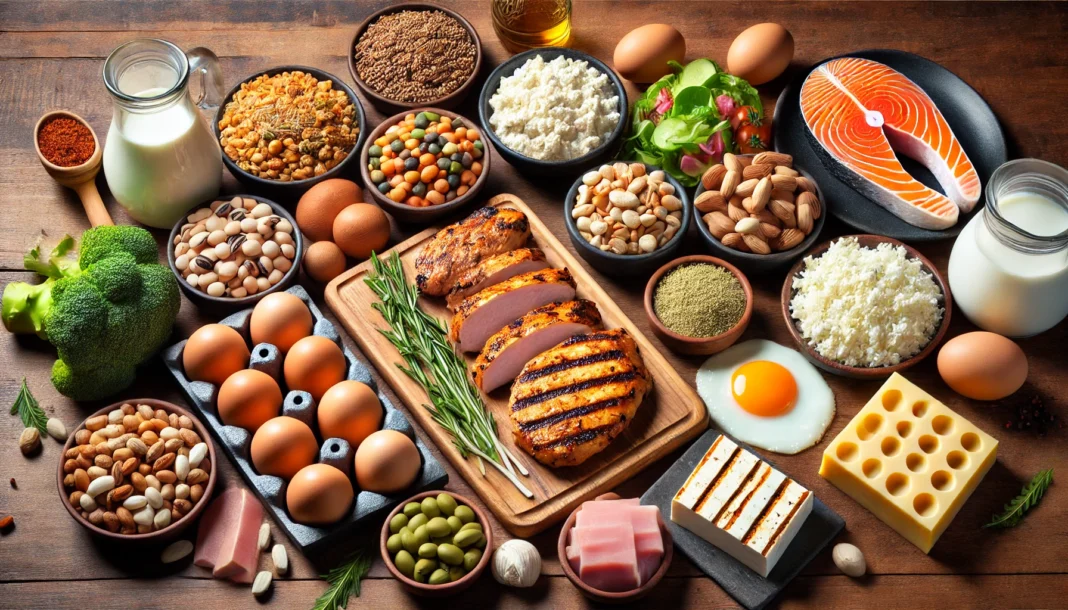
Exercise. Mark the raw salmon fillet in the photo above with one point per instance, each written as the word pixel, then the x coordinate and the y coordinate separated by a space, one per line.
pixel 860 111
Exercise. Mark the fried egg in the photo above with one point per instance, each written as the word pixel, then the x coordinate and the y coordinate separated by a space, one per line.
pixel 767 396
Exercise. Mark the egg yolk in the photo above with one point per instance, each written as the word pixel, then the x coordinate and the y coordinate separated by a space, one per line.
pixel 763 388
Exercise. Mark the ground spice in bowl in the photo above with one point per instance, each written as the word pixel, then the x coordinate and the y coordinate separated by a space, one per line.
pixel 699 300
pixel 65 142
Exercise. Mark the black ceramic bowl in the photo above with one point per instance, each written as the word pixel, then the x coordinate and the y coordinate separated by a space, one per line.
pixel 610 263
pixel 761 263
pixel 212 304
pixel 529 165
pixel 295 188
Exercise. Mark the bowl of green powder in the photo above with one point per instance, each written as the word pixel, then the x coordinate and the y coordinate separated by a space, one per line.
pixel 698 305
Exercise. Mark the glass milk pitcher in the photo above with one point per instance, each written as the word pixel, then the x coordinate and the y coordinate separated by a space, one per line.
pixel 161 158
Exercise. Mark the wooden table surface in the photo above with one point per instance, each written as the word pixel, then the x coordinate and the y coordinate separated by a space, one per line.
pixel 51 54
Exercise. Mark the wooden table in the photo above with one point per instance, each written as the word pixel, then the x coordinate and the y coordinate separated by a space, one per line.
pixel 51 54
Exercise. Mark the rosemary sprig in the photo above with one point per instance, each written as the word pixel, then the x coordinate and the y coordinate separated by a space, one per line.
pixel 1029 496
pixel 431 361
pixel 27 408
pixel 344 582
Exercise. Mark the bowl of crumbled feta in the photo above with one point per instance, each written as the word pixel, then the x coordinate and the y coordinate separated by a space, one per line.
pixel 553 111
pixel 866 306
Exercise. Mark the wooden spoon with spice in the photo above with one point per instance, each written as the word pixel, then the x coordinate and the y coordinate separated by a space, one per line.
pixel 70 152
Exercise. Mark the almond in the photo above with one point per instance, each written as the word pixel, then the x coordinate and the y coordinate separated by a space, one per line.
pixel 756 243
pixel 774 158
pixel 167 476
pixel 117 474
pixel 138 481
pixel 713 177
pixel 137 446
pixel 751 206
pixel 173 445
pixel 810 199
pixel 130 466
pixel 806 185
pixel 790 238
pixel 782 195
pixel 783 210
pixel 782 170
pixel 29 440
pixel 192 438
pixel 730 182
pixel 719 224
pixel 784 183
pixel 737 212
pixel 804 218
pixel 731 162
pixel 747 226
pixel 154 452
pixel 762 193
pixel 125 517
pixel 183 506
pixel 745 189
pixel 710 201
pixel 163 462
pixel 757 170
pixel 123 454
pixel 734 240
pixel 199 475
pixel 770 231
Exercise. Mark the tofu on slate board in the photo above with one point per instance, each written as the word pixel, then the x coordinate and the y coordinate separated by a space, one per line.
pixel 744 585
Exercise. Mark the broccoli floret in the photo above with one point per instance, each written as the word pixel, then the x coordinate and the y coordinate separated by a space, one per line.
pixel 105 315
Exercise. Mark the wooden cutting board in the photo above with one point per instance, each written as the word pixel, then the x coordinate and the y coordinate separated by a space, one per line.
pixel 669 416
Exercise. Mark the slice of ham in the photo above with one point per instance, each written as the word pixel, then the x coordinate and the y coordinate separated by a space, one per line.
pixel 226 542
pixel 643 521
pixel 574 558
pixel 608 558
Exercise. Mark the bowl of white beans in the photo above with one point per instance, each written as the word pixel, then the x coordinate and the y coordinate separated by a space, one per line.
pixel 230 252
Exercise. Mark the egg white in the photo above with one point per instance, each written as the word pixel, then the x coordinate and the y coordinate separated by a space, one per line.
pixel 796 430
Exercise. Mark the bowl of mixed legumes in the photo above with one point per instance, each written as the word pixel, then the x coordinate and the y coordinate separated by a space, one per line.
pixel 414 55
pixel 289 128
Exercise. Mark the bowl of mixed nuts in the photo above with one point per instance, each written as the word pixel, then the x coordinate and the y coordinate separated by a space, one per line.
pixel 627 218
pixel 140 470
pixel 289 128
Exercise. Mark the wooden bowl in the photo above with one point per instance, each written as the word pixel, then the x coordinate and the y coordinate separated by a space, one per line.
pixel 447 589
pixel 697 346
pixel 402 211
pixel 860 372
pixel 612 597
pixel 386 104
pixel 173 530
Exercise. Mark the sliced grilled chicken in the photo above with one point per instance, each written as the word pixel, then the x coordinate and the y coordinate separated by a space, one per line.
pixel 571 401
pixel 514 345
pixel 462 246
pixel 495 270
pixel 481 315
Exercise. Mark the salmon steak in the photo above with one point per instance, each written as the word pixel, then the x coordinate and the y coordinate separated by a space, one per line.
pixel 859 112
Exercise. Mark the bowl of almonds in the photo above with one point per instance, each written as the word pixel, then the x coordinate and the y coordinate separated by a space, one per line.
pixel 140 470
pixel 627 218
pixel 758 211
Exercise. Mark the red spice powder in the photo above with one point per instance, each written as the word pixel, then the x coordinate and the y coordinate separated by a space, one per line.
pixel 65 142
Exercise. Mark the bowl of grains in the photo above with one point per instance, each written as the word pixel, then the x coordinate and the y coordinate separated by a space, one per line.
pixel 626 218
pixel 865 306
pixel 553 111
pixel 289 128
pixel 423 164
pixel 137 471
pixel 231 252
pixel 698 305
pixel 415 55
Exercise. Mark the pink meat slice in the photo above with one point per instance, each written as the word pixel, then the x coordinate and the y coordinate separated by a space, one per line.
pixel 608 558
pixel 573 558
pixel 644 520
pixel 495 270
pixel 226 542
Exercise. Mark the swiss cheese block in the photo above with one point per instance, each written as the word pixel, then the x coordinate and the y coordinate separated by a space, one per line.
pixel 910 460
pixel 739 503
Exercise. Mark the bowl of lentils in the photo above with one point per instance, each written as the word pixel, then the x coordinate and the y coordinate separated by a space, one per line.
pixel 289 128
pixel 414 55
pixel 423 164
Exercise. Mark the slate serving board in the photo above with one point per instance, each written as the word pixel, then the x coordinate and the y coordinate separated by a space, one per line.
pixel 744 585
pixel 968 114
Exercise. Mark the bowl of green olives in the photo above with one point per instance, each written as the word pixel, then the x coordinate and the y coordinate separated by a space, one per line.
pixel 436 543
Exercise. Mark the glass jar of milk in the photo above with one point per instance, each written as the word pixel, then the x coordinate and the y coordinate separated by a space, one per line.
pixel 1008 271
pixel 161 158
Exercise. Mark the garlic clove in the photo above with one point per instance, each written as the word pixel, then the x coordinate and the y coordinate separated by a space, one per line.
pixel 516 563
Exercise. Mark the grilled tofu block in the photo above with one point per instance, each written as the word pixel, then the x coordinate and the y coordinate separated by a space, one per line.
pixel 462 246
pixel 495 270
pixel 571 401
pixel 514 345
pixel 481 315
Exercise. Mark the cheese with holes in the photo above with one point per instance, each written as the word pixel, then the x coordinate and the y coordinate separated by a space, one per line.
pixel 910 460
pixel 739 503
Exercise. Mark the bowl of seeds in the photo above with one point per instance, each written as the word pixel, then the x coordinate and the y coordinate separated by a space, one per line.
pixel 289 128
pixel 415 55
pixel 698 305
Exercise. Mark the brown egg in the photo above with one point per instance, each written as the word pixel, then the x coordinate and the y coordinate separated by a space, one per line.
pixel 318 208
pixel 324 261
pixel 361 228
pixel 642 54
pixel 319 495
pixel 248 398
pixel 282 446
pixel 213 353
pixel 387 462
pixel 314 364
pixel 280 319
pixel 349 410
pixel 761 53
pixel 982 365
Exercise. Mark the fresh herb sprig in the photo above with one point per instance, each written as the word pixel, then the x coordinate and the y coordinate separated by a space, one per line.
pixel 344 582
pixel 431 361
pixel 1029 496
pixel 27 408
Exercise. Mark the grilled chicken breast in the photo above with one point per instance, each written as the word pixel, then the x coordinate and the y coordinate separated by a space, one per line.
pixel 514 345
pixel 459 247
pixel 481 315
pixel 571 401
pixel 495 270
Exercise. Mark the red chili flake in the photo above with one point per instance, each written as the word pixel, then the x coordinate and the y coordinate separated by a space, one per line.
pixel 65 142
pixel 14 485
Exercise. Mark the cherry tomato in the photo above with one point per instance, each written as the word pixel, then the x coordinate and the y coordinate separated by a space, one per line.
pixel 753 139
pixel 744 115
